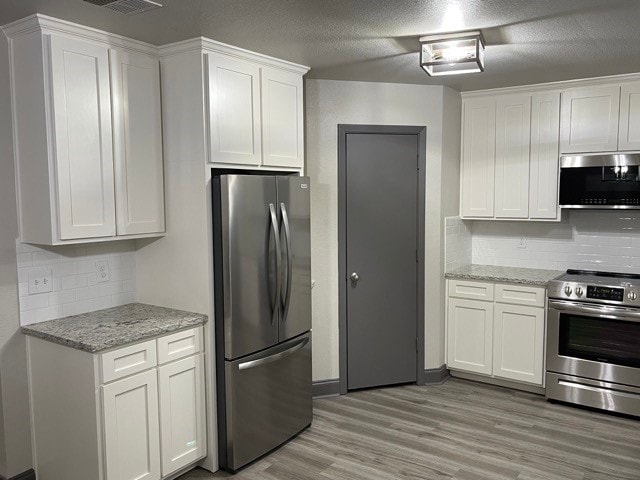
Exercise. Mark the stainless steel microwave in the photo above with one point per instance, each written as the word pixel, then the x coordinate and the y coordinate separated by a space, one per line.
pixel 600 181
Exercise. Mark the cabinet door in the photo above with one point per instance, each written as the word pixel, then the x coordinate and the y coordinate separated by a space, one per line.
pixel 81 99
pixel 131 431
pixel 589 120
pixel 518 343
pixel 470 335
pixel 478 157
pixel 629 135
pixel 545 138
pixel 513 130
pixel 282 119
pixel 234 111
pixel 137 141
pixel 182 417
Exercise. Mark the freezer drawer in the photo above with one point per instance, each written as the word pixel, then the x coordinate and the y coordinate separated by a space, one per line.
pixel 268 400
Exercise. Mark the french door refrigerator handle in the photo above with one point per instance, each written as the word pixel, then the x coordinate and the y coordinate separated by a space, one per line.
pixel 274 357
pixel 286 297
pixel 276 235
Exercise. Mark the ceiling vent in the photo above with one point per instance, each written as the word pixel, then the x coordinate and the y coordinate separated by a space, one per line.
pixel 128 7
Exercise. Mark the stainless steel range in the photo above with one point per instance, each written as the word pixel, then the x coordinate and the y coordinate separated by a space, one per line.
pixel 593 340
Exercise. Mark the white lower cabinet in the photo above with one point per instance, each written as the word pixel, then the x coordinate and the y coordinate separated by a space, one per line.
pixel 131 430
pixel 518 343
pixel 501 336
pixel 130 413
pixel 182 413
pixel 470 335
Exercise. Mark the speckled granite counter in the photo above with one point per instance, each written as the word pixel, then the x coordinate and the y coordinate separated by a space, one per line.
pixel 114 327
pixel 492 273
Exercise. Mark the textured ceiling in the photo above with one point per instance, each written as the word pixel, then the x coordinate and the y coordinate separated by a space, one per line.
pixel 528 41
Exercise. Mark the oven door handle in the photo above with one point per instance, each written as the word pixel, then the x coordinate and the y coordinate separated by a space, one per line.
pixel 601 311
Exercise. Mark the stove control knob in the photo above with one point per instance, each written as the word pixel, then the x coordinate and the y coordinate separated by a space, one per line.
pixel 568 290
pixel 579 291
pixel 632 295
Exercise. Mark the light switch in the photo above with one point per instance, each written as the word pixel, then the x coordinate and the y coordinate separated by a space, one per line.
pixel 40 281
pixel 102 271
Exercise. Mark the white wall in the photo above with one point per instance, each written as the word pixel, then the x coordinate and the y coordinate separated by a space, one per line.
pixel 329 103
pixel 15 439
pixel 597 240
pixel 450 185
pixel 182 278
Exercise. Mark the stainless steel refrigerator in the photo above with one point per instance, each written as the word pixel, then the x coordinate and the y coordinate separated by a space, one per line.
pixel 262 267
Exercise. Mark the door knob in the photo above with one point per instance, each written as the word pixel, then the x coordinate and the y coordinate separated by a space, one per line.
pixel 354 277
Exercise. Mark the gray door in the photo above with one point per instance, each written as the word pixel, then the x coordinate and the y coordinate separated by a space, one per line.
pixel 295 233
pixel 381 243
pixel 250 237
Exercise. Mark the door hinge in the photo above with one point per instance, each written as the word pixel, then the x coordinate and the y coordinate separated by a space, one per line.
pixel 417 259
pixel 417 344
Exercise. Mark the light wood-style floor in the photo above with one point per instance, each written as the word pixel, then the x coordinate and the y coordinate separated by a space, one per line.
pixel 460 430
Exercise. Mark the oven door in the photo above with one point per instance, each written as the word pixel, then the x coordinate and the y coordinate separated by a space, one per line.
pixel 600 342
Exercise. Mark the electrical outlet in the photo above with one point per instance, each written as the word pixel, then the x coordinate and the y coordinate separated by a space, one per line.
pixel 522 243
pixel 40 281
pixel 102 271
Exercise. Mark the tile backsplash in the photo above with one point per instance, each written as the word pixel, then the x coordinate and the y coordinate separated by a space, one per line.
pixel 458 244
pixel 75 281
pixel 598 240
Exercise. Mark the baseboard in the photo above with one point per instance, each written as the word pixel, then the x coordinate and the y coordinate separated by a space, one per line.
pixel 498 382
pixel 436 376
pixel 326 388
pixel 28 475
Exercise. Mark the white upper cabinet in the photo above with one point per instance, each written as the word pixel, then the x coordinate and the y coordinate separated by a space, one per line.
pixel 234 111
pixel 81 100
pixel 544 157
pixel 255 114
pixel 509 166
pixel 589 119
pixel 87 133
pixel 137 140
pixel 629 137
pixel 513 125
pixel 478 157
pixel 282 118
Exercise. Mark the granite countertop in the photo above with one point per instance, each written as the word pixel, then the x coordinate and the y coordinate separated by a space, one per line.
pixel 114 327
pixel 492 273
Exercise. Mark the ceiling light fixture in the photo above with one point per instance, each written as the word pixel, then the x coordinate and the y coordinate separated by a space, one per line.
pixel 128 7
pixel 452 53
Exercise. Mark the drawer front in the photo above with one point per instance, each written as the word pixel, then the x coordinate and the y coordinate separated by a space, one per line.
pixel 520 295
pixel 179 345
pixel 471 290
pixel 128 360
